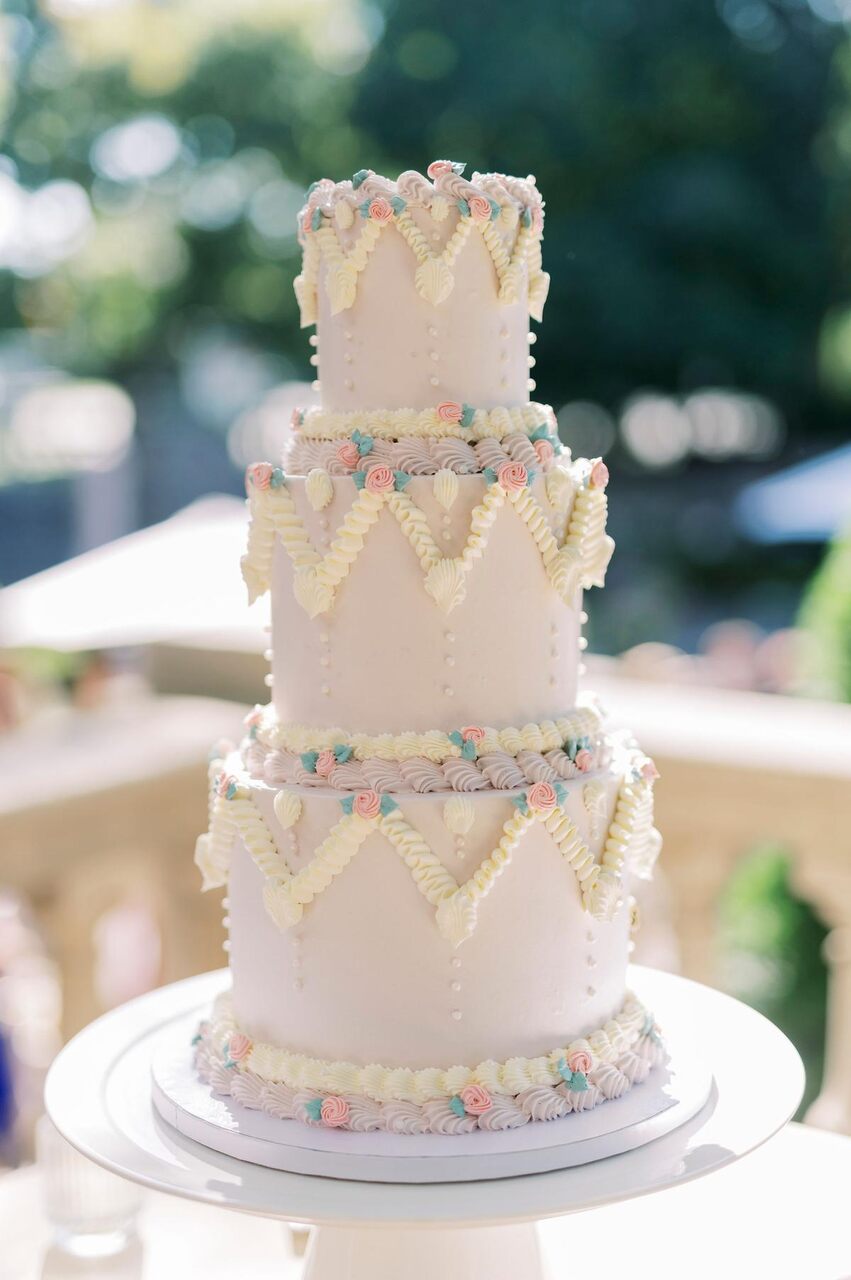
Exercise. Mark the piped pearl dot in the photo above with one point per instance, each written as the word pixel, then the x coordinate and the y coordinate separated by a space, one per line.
pixel 314 360
pixel 531 384
pixel 226 921
pixel 323 637
pixel 592 991
pixel 553 682
pixel 447 535
pixel 348 335
pixel 449 693
pixel 269 680
pixel 455 962
pixel 226 945
pixel 531 362
pixel 298 983
pixel 449 660
pixel 456 986
pixel 325 690
pixel 503 382
pixel 450 637
pixel 268 654
pixel 590 937
pixel 583 617
pixel 432 331
pixel 313 340
pixel 348 384
pixel 533 337
pixel 583 643
pixel 434 355
pixel 434 380
pixel 348 357
pixel 457 1015
pixel 503 333
pixel 325 661
pixel 435 235
pixel 503 355
pixel 316 385
pixel 590 962
pixel 554 652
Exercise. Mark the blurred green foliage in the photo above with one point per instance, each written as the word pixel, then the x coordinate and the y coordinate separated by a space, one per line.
pixel 771 943
pixel 826 622
pixel 684 148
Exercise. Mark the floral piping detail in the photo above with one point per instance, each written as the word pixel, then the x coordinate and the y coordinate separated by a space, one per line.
pixel 579 561
pixel 286 893
pixel 574 734
pixel 618 1043
pixel 323 762
pixel 450 418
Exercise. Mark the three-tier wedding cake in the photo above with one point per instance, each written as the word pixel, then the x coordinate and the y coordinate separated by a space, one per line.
pixel 428 838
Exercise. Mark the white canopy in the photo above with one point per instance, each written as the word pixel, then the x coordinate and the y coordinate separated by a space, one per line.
pixel 177 580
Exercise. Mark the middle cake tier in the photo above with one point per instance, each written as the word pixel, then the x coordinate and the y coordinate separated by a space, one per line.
pixel 414 603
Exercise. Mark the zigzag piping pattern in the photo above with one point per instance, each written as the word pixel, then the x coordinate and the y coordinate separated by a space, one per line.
pixel 433 277
pixel 456 905
pixel 580 562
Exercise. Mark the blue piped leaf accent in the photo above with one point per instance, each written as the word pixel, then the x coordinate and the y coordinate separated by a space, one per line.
pixel 456 739
pixel 359 478
pixel 342 753
pixel 570 748
pixel 398 204
pixel 316 219
pixel 464 208
pixel 347 804
pixel 541 433
pixel 526 217
pixel 277 477
pixel 530 476
pixel 561 792
pixel 575 1080
pixel 230 794
pixel 468 751
pixel 196 1039
pixel 363 209
pixel 402 479
pixel 364 443
pixel 360 177
pixel 313 1107
pixel 495 210
pixel 387 805
pixel 457 1105
pixel 308 760
pixel 467 414
pixel 521 803
pixel 311 189
pixel 489 475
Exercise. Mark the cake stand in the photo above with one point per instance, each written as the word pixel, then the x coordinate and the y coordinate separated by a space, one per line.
pixel 98 1094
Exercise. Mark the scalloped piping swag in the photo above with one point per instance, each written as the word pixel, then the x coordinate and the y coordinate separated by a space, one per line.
pixel 286 894
pixel 580 561
pixel 381 207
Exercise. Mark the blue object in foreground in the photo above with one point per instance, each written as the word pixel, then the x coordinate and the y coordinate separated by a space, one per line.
pixel 809 502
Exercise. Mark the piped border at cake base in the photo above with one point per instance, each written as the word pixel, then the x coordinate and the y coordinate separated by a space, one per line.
pixel 492 1096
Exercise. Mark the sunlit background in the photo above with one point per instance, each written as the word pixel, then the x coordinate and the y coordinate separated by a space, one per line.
pixel 696 163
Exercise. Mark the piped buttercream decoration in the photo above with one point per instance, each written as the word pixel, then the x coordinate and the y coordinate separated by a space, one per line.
pixel 438 167
pixel 319 488
pixel 334 1112
pixel 237 1049
pixel 595 800
pixel 511 232
pixel 287 806
pixel 630 1042
pixel 456 905
pixel 580 562
pixel 445 488
pixel 459 815
pixel 461 421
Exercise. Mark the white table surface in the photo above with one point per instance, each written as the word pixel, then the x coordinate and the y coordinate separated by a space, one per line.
pixel 781 1212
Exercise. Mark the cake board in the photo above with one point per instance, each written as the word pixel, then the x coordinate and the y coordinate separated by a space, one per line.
pixel 99 1096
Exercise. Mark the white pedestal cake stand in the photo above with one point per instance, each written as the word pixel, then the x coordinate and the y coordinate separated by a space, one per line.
pixel 99 1094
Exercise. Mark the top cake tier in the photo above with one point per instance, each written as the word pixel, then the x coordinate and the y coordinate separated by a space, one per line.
pixel 421 289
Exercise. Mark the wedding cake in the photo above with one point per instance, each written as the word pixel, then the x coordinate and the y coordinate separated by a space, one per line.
pixel 428 839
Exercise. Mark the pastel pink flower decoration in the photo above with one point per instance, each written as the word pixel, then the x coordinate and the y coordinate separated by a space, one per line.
pixel 380 480
pixel 326 762
pixel 513 477
pixel 306 220
pixel 367 804
pixel 541 795
pixel 480 208
pixel 583 760
pixel 335 1112
pixel 545 452
pixel 449 411
pixel 580 1060
pixel 476 1099
pixel 599 476
pixel 260 474
pixel 239 1047
pixel 225 782
pixel 348 454
pixel 295 419
pixel 473 733
pixel 537 219
pixel 437 167
pixel 253 718
pixel 649 772
pixel 381 210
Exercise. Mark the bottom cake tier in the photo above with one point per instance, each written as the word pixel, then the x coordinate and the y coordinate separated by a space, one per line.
pixel 473 945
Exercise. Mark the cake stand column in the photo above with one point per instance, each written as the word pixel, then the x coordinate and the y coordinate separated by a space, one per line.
pixel 425 1253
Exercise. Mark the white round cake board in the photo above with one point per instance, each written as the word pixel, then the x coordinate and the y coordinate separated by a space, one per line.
pixel 670 1096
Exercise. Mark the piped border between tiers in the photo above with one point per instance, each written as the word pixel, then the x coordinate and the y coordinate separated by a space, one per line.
pixel 493 1095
